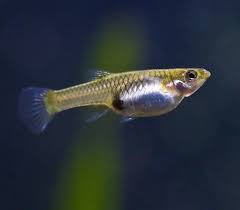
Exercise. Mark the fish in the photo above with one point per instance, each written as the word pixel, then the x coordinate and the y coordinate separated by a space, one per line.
pixel 132 94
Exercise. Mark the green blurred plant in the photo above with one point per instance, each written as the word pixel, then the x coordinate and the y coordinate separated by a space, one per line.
pixel 91 176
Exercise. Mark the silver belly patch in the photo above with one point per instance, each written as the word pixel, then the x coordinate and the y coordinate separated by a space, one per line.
pixel 147 100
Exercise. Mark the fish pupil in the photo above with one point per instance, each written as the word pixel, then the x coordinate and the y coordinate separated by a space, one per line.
pixel 191 75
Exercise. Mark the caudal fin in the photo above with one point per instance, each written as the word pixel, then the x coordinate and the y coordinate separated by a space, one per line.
pixel 32 109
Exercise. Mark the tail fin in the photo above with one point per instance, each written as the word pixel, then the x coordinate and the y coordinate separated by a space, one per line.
pixel 32 109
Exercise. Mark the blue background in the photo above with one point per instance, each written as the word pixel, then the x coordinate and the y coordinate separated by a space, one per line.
pixel 187 159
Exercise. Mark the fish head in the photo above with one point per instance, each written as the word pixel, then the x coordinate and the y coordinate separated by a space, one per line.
pixel 188 81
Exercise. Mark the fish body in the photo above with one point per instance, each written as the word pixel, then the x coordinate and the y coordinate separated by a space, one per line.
pixel 131 94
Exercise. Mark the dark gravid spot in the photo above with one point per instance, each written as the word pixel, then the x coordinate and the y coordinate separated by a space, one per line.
pixel 118 104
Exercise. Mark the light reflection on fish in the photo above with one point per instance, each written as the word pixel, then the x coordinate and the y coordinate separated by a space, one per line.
pixel 131 94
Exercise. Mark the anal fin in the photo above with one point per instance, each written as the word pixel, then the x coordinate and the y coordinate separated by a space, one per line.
pixel 96 115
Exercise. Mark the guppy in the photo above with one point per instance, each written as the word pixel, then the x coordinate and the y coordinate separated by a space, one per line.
pixel 131 94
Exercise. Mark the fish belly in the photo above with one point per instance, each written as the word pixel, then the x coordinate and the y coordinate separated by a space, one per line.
pixel 150 104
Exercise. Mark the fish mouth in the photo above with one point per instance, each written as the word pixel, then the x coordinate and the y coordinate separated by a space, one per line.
pixel 207 74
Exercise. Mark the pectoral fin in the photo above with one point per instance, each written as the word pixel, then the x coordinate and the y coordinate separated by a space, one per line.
pixel 126 119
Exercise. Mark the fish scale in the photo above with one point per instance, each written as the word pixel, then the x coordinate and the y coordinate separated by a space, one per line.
pixel 94 92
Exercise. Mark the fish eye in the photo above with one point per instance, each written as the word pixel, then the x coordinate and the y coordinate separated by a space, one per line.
pixel 191 75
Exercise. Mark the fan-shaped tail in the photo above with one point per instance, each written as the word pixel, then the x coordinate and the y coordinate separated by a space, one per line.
pixel 33 109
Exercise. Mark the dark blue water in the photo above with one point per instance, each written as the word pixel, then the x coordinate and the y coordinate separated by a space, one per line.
pixel 188 159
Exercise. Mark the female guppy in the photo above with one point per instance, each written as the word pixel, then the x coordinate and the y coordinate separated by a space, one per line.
pixel 131 94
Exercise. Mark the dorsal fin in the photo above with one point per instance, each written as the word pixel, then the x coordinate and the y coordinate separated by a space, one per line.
pixel 99 74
